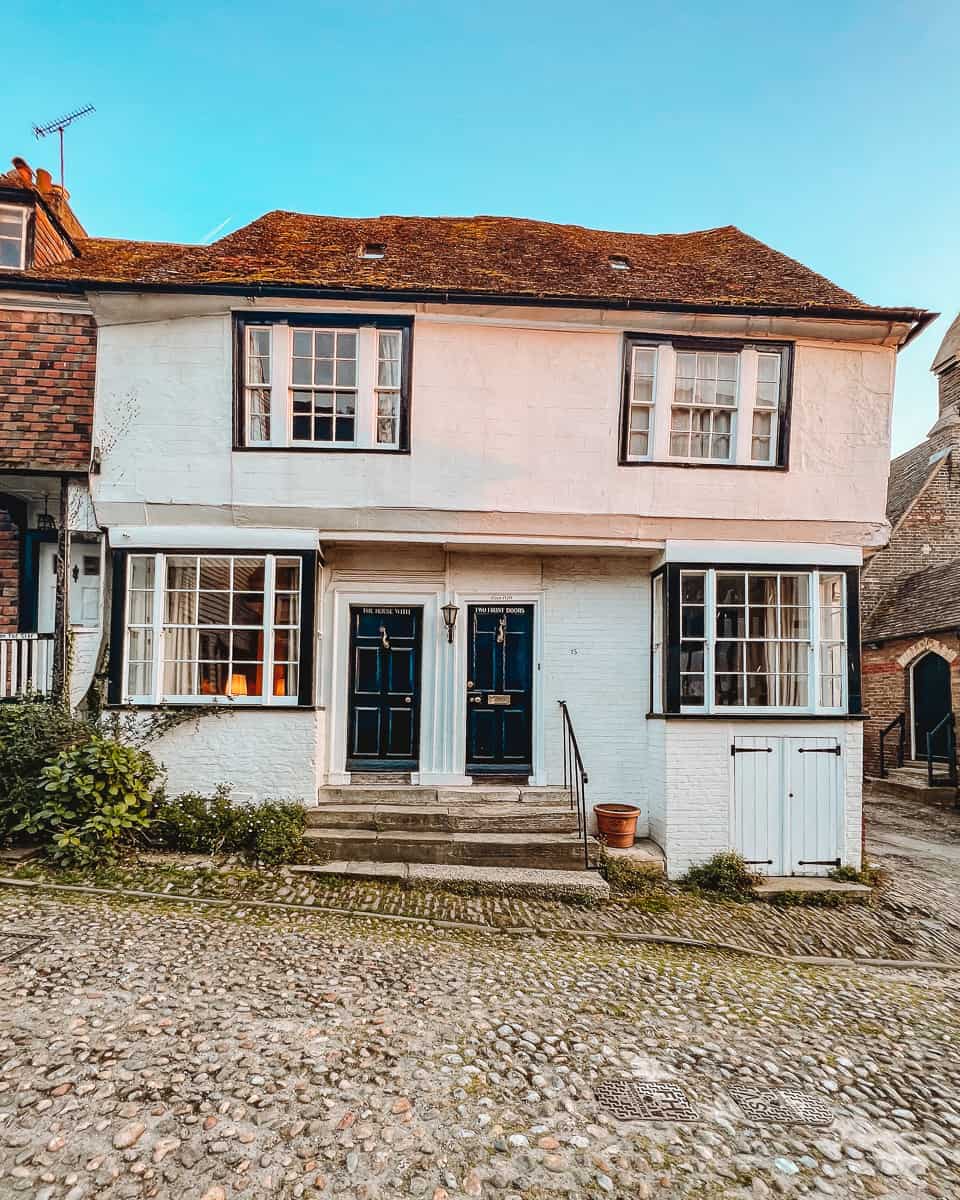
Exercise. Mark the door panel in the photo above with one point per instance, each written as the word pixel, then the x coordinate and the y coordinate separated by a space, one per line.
pixel 757 832
pixel 499 688
pixel 931 703
pixel 384 702
pixel 788 804
pixel 813 810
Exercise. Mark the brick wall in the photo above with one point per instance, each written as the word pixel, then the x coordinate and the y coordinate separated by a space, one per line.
pixel 886 690
pixel 9 573
pixel 47 369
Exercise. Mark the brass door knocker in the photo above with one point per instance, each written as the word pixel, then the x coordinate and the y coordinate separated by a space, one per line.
pixel 384 640
pixel 502 631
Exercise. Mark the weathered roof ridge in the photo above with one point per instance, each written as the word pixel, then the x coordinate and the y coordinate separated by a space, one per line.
pixel 923 602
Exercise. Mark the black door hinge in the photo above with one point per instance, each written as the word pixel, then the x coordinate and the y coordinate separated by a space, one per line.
pixel 820 750
pixel 750 750
pixel 758 862
pixel 818 862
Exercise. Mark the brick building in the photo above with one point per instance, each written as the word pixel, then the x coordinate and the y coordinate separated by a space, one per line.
pixel 47 370
pixel 911 594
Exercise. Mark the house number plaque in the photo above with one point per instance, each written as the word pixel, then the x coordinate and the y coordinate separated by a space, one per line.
pixel 498 699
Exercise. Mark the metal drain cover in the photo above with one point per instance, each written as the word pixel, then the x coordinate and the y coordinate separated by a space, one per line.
pixel 636 1100
pixel 12 945
pixel 783 1106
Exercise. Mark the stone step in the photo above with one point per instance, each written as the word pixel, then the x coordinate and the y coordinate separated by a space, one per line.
pixel 498 881
pixel 443 818
pixel 418 795
pixel 544 850
pixel 911 788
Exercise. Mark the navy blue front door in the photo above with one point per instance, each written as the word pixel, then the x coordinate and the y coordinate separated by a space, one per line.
pixel 500 689
pixel 384 711
pixel 931 703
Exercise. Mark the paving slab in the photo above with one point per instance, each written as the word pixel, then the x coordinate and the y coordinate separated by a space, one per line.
pixel 810 885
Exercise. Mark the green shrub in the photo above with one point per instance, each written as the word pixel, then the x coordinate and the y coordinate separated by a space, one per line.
pixel 33 731
pixel 96 795
pixel 271 832
pixel 726 874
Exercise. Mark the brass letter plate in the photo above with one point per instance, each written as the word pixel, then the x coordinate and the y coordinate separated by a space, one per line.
pixel 498 699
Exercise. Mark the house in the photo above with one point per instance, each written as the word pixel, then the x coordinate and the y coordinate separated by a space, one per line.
pixel 51 550
pixel 382 493
pixel 911 604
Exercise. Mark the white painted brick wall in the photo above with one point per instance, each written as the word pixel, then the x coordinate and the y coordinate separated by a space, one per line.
pixel 596 657
pixel 261 755
pixel 699 783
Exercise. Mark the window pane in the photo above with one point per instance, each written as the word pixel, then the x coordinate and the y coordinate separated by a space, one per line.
pixel 691 689
pixel 140 608
pixel 727 367
pixel 301 371
pixel 285 679
pixel 686 365
pixel 141 571
pixel 768 368
pixel 182 572
pixel 346 373
pixel 831 590
pixel 761 690
pixel 215 573
pixel 794 690
pixel 692 588
pixel 763 622
pixel 346 345
pixel 140 645
pixel 9 253
pixel 638 444
pixel 179 678
pixel 288 574
pixel 794 657
pixel 762 424
pixel 831 692
pixel 768 395
pixel 247 644
pixel 344 431
pixel 181 608
pixel 691 656
pixel 214 608
pixel 832 624
pixel 322 372
pixel 706 366
pixel 728 689
pixel 795 589
pixel 301 429
pixel 731 589
pixel 213 645
pixel 760 449
pixel 246 679
pixel 795 622
pixel 642 390
pixel 729 656
pixel 731 622
pixel 139 678
pixel 248 574
pixel 761 657
pixel 831 660
pixel 691 622
pixel 213 678
pixel 323 345
pixel 286 645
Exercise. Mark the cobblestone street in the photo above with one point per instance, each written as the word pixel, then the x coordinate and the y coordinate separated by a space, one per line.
pixel 159 1050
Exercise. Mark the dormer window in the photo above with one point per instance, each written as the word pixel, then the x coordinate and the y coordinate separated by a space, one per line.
pixel 619 262
pixel 13 237
pixel 373 250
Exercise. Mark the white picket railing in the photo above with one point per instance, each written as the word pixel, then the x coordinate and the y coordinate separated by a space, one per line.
pixel 26 664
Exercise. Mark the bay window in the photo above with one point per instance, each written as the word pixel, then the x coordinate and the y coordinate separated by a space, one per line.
pixel 325 382
pixel 754 639
pixel 200 628
pixel 717 403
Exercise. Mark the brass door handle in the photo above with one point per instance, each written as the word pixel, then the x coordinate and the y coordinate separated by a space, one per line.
pixel 469 683
pixel 408 699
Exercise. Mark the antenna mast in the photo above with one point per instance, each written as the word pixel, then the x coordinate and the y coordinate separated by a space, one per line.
pixel 59 126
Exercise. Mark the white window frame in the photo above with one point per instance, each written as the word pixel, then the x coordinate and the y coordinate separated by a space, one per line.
pixel 385 390
pixel 157 623
pixel 748 389
pixel 281 386
pixel 21 211
pixel 813 643
pixel 336 332
pixel 714 409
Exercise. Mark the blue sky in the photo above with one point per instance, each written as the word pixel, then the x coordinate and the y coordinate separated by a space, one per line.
pixel 828 130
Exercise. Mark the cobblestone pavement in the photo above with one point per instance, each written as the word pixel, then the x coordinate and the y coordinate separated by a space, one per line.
pixel 918 845
pixel 161 1050
pixel 899 924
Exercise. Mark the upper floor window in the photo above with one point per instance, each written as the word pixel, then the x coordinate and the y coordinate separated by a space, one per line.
pixel 753 639
pixel 324 383
pixel 13 237
pixel 716 403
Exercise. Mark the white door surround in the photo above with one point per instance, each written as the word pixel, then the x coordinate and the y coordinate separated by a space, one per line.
pixel 443 674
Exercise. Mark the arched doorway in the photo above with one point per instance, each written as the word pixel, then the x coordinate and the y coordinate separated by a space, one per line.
pixel 931 701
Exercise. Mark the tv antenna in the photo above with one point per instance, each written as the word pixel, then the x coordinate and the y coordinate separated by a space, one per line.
pixel 58 126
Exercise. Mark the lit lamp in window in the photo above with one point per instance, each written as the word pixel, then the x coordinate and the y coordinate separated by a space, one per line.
pixel 238 685
pixel 449 612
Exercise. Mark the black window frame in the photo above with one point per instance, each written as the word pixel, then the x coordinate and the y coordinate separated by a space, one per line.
pixel 669 704
pixel 725 346
pixel 310 563
pixel 322 320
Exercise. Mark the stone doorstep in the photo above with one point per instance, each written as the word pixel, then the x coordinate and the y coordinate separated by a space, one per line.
pixel 509 880
pixel 911 788
pixel 422 796
pixel 440 818
pixel 776 885
pixel 540 850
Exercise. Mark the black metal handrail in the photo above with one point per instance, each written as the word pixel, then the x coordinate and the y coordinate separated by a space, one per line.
pixel 897 722
pixel 575 778
pixel 949 724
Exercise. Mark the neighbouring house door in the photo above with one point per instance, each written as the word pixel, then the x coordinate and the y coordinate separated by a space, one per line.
pixel 83 580
pixel 500 689
pixel 788 804
pixel 931 703
pixel 383 727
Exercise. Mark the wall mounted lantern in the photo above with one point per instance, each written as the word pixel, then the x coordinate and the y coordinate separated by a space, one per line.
pixel 449 618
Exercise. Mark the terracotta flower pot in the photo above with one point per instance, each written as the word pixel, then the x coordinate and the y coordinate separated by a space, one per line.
pixel 617 824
